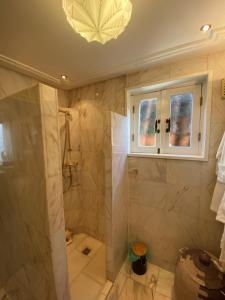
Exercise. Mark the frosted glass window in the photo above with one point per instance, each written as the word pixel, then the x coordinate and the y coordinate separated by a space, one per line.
pixel 168 122
pixel 181 108
pixel 147 119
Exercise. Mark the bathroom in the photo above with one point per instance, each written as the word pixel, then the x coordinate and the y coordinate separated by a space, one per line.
pixel 94 160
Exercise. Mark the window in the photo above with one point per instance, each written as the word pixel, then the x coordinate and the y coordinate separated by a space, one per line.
pixel 169 122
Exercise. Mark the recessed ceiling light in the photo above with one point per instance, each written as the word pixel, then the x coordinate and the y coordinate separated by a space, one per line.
pixel 64 76
pixel 206 27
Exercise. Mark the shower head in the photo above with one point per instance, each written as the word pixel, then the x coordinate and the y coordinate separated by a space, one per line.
pixel 69 116
pixel 67 113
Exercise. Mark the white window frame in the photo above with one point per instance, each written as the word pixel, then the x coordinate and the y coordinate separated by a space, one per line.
pixel 201 86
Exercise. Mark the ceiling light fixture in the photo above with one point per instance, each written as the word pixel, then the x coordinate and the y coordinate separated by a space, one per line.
pixel 206 27
pixel 64 77
pixel 98 20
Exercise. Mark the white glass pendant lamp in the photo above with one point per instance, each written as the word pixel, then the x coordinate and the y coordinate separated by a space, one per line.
pixel 98 20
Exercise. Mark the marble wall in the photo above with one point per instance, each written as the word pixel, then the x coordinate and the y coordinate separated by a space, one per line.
pixel 12 82
pixel 169 200
pixel 32 245
pixel 91 102
pixel 54 192
pixel 26 266
pixel 73 204
pixel 116 191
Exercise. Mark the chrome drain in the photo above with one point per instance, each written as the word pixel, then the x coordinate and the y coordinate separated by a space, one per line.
pixel 86 251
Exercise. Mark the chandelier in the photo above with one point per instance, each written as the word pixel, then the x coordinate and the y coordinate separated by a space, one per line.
pixel 98 20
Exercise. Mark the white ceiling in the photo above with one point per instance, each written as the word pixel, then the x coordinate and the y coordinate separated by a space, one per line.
pixel 37 34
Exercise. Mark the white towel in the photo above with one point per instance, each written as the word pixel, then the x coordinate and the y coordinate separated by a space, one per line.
pixel 221 161
pixel 217 196
pixel 221 218
pixel 220 172
pixel 221 211
pixel 218 200
pixel 222 246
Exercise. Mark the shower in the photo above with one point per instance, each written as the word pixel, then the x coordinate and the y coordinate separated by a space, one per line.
pixel 68 166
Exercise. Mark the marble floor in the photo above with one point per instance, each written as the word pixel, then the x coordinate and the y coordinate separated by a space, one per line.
pixel 87 273
pixel 156 284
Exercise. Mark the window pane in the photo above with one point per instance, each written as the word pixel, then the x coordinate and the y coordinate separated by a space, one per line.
pixel 181 120
pixel 147 118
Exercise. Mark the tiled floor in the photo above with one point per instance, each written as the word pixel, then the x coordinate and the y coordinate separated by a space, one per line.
pixel 87 273
pixel 156 284
pixel 87 276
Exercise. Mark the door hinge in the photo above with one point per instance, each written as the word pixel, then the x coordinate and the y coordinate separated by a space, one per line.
pixel 201 100
pixel 199 136
pixel 132 137
pixel 158 150
pixel 133 109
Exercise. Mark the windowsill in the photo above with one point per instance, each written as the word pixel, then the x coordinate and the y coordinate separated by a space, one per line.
pixel 169 156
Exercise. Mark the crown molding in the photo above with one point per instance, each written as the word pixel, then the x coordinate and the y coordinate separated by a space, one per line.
pixel 31 72
pixel 214 38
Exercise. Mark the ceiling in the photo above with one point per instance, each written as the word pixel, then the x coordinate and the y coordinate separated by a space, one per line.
pixel 35 36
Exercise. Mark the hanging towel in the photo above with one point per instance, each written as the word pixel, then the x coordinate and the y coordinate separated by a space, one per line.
pixel 221 211
pixel 218 200
pixel 221 161
pixel 221 218
pixel 222 246
pixel 220 172
pixel 217 196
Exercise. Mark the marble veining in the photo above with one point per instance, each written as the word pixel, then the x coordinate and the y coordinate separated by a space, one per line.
pixel 33 254
pixel 170 196
pixel 156 284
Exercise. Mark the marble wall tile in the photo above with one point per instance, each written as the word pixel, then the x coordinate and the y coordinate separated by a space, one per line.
pixel 75 131
pixel 95 146
pixel 166 232
pixel 113 97
pixel 52 146
pixel 174 194
pixel 148 76
pixel 32 204
pixel 168 197
pixel 184 172
pixel 54 191
pixel 26 247
pixel 12 82
pixel 72 200
pixel 216 134
pixel 189 66
pixel 151 169
pixel 30 277
pixel 73 219
pixel 216 63
pixel 116 194
pixel 63 98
